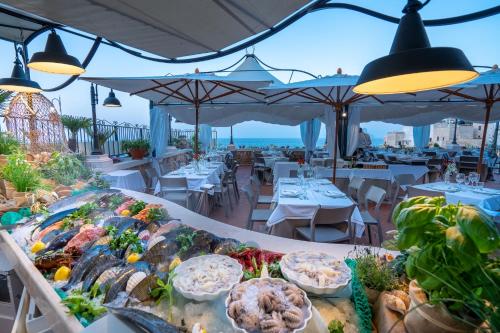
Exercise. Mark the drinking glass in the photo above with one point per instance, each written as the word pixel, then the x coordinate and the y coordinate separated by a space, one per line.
pixel 460 179
pixel 480 185
pixel 467 181
pixel 474 178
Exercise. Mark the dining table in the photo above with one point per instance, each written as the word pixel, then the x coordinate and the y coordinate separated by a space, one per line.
pixel 295 203
pixel 487 199
pixel 197 177
pixel 126 179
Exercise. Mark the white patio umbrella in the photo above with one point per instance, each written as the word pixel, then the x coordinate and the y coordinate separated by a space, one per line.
pixel 486 90
pixel 187 89
pixel 335 91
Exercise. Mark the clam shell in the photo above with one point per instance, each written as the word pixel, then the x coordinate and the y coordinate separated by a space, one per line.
pixel 103 240
pixel 144 235
pixel 155 241
pixel 106 275
pixel 134 281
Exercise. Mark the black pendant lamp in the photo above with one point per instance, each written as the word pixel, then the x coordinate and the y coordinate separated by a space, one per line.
pixel 111 100
pixel 412 64
pixel 18 82
pixel 55 59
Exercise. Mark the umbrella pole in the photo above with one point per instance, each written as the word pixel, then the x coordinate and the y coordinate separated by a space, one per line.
pixel 197 116
pixel 335 145
pixel 483 140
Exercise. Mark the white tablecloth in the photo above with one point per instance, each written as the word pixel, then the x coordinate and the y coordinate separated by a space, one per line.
pixel 463 194
pixel 296 208
pixel 126 179
pixel 207 175
pixel 270 161
pixel 282 169
pixel 418 171
pixel 383 174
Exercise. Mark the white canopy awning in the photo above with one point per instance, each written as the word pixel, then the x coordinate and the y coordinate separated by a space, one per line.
pixel 185 88
pixel 169 28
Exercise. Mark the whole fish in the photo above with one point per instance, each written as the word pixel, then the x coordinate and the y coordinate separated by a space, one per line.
pixel 143 289
pixel 80 199
pixel 61 240
pixel 145 320
pixel 120 282
pixel 55 218
pixel 123 223
pixel 101 264
pixel 53 260
pixel 83 265
pixel 160 252
pixel 50 235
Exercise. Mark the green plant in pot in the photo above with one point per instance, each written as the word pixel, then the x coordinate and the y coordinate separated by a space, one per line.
pixel 74 124
pixel 136 148
pixel 456 275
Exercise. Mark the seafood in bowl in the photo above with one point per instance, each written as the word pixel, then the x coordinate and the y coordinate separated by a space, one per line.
pixel 207 277
pixel 268 305
pixel 318 273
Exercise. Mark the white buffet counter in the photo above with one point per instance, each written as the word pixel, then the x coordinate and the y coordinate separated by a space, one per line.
pixel 49 303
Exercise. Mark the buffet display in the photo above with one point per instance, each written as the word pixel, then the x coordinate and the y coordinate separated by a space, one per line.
pixel 104 251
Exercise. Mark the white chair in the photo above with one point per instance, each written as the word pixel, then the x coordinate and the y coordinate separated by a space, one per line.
pixel 323 225
pixel 354 188
pixel 401 184
pixel 222 194
pixel 256 186
pixel 255 215
pixel 374 195
pixel 175 189
pixel 293 173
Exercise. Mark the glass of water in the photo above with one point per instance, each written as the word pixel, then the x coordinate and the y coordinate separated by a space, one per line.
pixel 460 179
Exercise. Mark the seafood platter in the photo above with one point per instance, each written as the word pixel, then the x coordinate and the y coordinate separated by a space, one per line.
pixel 104 251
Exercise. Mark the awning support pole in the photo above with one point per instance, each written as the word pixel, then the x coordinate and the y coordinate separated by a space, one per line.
pixel 197 108
pixel 335 145
pixel 483 140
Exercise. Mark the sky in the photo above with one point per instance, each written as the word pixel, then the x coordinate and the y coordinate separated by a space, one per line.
pixel 318 43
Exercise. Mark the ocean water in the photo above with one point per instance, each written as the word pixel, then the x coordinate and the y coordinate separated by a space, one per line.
pixel 279 142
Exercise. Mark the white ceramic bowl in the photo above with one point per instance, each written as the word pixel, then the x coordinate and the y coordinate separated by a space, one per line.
pixel 310 287
pixel 197 262
pixel 297 330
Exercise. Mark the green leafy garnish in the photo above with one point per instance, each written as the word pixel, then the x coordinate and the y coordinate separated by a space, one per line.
pixel 185 240
pixel 335 326
pixel 164 291
pixel 136 207
pixel 80 305
pixel 95 290
pixel 115 202
pixel 126 239
pixel 155 214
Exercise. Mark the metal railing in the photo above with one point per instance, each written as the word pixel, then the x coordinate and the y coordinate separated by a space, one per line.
pixel 188 135
pixel 113 146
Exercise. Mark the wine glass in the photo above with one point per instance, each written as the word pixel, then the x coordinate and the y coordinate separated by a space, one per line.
pixel 460 179
pixel 474 178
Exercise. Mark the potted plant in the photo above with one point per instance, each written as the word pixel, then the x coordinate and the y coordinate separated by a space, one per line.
pixel 136 148
pixel 451 260
pixel 23 177
pixel 74 124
